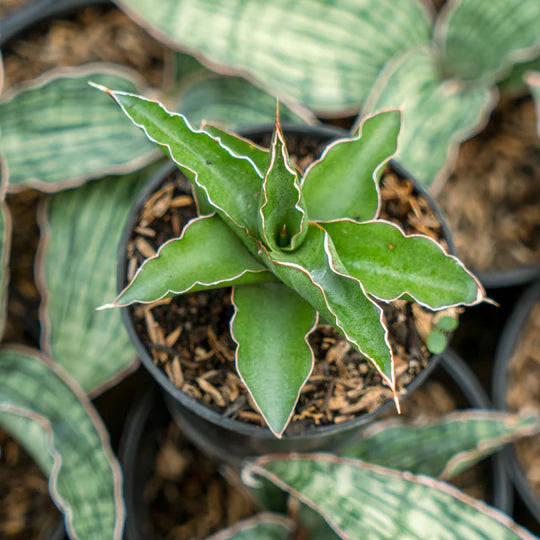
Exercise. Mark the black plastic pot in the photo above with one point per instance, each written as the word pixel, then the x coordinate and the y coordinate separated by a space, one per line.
pixel 514 277
pixel 226 438
pixel 509 340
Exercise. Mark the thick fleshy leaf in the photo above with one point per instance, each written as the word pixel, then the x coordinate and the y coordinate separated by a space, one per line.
pixel 207 255
pixel 360 500
pixel 232 185
pixel 480 39
pixel 5 246
pixel 57 132
pixel 260 527
pixel 81 229
pixel 282 212
pixel 273 357
pixel 443 447
pixel 533 80
pixel 50 415
pixel 390 264
pixel 344 182
pixel 436 114
pixel 515 83
pixel 233 102
pixel 315 272
pixel 323 55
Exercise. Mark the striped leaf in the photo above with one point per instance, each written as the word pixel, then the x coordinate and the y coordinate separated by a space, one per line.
pixel 42 407
pixel 323 54
pixel 360 500
pixel 437 114
pixel 533 80
pixel 481 39
pixel 81 229
pixel 444 447
pixel 58 132
pixel 273 357
pixel 263 526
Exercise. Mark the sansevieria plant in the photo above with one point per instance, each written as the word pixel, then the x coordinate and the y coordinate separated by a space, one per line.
pixel 294 249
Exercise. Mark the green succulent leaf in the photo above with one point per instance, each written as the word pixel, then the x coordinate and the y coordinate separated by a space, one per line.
pixel 447 323
pixel 207 255
pixel 57 132
pixel 390 264
pixel 232 185
pixel 263 526
pixel 326 56
pixel 437 114
pixel 282 212
pixel 315 272
pixel 533 80
pixel 344 182
pixel 81 229
pixel 273 356
pixel 49 414
pixel 481 39
pixel 443 447
pixel 5 247
pixel 436 342
pixel 515 83
pixel 361 500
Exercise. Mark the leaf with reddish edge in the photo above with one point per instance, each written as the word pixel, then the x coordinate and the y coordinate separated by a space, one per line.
pixel 361 500
pixel 391 264
pixel 263 526
pixel 44 408
pixel 207 255
pixel 344 181
pixel 315 272
pixel 282 212
pixel 270 326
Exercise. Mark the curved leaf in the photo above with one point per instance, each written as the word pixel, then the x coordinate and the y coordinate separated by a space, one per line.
pixel 359 500
pixel 440 448
pixel 263 526
pixel 42 407
pixel 480 39
pixel 81 229
pixel 515 83
pixel 325 55
pixel 390 264
pixel 207 255
pixel 533 80
pixel 273 357
pixel 344 181
pixel 436 114
pixel 57 132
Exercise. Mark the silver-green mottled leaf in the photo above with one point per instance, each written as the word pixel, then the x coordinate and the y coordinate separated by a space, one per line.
pixel 207 255
pixel 437 114
pixel 481 39
pixel 81 229
pixel 390 264
pixel 344 182
pixel 533 80
pixel 49 414
pixel 263 526
pixel 58 132
pixel 360 500
pixel 323 54
pixel 442 447
pixel 273 357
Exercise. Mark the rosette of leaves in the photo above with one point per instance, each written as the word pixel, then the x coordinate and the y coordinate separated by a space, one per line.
pixel 294 248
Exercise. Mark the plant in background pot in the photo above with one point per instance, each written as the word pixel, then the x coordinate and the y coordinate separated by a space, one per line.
pixel 293 248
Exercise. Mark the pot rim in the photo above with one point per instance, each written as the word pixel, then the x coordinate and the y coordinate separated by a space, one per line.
pixel 194 405
pixel 510 336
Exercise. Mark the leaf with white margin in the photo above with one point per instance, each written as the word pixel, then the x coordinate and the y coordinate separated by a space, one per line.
pixel 361 500
pixel 479 40
pixel 270 327
pixel 437 114
pixel 315 272
pixel 443 447
pixel 282 212
pixel 263 526
pixel 76 272
pixel 207 255
pixel 42 407
pixel 57 132
pixel 231 184
pixel 391 264
pixel 323 54
pixel 533 80
pixel 344 181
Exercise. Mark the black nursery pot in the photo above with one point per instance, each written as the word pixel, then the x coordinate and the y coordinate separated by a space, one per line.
pixel 509 340
pixel 226 438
